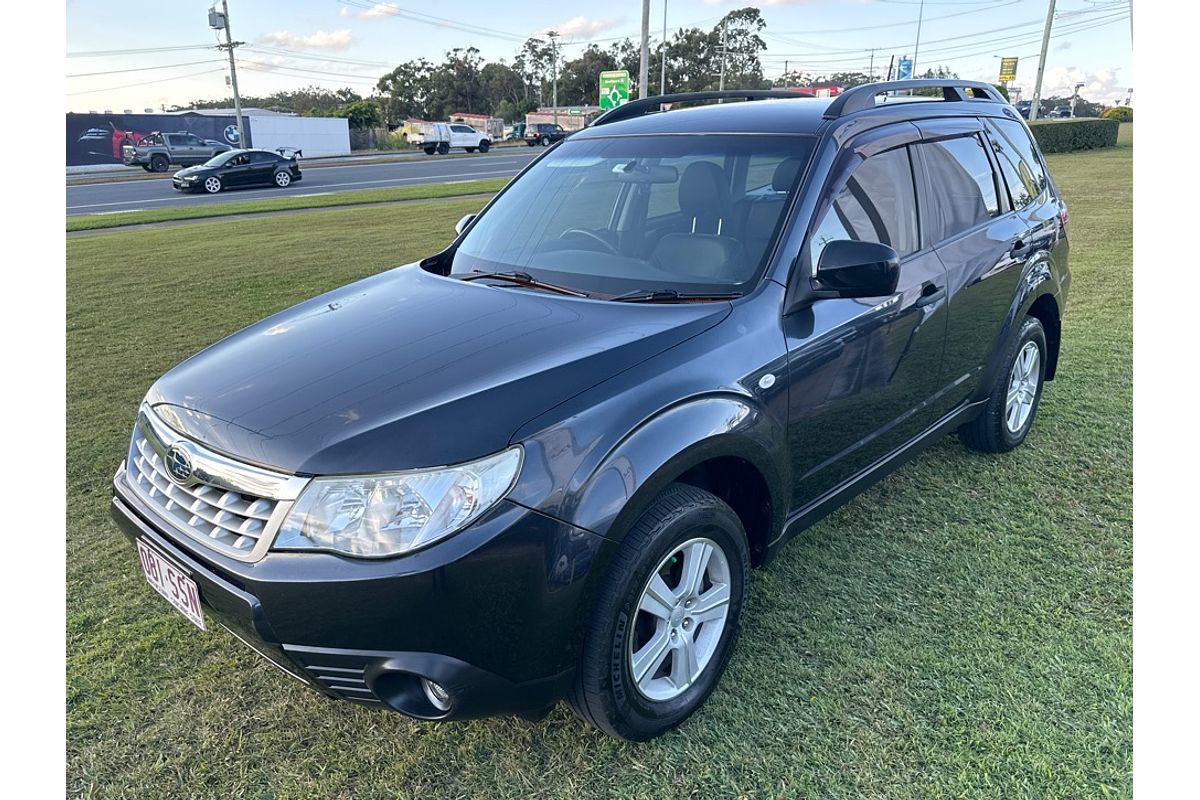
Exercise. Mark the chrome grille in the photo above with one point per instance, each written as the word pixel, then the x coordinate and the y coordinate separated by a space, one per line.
pixel 222 506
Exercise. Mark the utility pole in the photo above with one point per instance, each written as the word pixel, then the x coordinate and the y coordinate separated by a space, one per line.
pixel 1037 85
pixel 785 73
pixel 917 47
pixel 724 50
pixel 662 80
pixel 223 20
pixel 553 37
pixel 644 67
pixel 871 69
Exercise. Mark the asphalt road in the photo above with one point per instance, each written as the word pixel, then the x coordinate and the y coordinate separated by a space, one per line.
pixel 118 196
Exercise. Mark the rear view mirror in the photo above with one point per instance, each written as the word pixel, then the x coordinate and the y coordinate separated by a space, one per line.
pixel 858 269
pixel 463 223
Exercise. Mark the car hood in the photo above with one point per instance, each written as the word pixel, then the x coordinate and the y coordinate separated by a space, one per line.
pixel 408 369
pixel 199 169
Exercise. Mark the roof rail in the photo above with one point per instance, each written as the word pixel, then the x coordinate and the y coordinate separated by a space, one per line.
pixel 648 105
pixel 863 97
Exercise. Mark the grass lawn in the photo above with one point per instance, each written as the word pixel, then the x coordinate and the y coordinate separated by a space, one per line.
pixel 88 222
pixel 961 630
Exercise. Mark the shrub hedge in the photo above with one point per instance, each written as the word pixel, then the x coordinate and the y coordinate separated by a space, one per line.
pixel 1065 136
pixel 1119 113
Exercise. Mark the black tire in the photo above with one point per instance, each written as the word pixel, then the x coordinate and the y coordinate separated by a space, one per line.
pixel 484 146
pixel 603 692
pixel 545 141
pixel 429 150
pixel 989 432
pixel 158 163
pixel 146 167
pixel 443 148
pixel 530 142
pixel 470 149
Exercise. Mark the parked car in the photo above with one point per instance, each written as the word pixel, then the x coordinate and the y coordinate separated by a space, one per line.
pixel 441 136
pixel 238 168
pixel 516 133
pixel 542 462
pixel 155 152
pixel 1022 107
pixel 543 133
pixel 1060 112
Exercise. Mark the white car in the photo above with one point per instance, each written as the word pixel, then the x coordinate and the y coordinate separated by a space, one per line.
pixel 441 136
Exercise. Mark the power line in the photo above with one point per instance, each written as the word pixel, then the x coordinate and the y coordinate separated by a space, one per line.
pixel 146 83
pixel 393 10
pixel 144 69
pixel 282 51
pixel 138 51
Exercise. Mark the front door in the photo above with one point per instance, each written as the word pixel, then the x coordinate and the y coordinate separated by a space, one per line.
pixel 862 371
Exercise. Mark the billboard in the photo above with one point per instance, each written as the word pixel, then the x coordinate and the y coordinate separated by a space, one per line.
pixel 904 69
pixel 98 138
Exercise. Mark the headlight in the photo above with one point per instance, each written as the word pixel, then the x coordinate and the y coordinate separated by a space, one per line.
pixel 393 513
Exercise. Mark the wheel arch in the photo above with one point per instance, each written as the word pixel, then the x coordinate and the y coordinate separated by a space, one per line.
pixel 1046 310
pixel 723 444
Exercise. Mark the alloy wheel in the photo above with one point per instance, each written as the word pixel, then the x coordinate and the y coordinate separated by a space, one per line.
pixel 680 618
pixel 282 179
pixel 212 185
pixel 1023 382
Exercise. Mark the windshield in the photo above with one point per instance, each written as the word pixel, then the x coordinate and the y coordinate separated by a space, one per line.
pixel 220 158
pixel 683 213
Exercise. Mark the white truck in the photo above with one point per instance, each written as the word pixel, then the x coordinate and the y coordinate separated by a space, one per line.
pixel 439 137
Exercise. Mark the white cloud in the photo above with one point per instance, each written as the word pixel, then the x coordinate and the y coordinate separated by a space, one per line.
pixel 321 40
pixel 1098 87
pixel 380 10
pixel 581 27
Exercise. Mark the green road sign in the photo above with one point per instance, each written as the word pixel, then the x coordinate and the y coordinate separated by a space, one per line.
pixel 614 88
pixel 1008 69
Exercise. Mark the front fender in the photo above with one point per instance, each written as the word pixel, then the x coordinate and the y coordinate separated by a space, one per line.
pixel 609 491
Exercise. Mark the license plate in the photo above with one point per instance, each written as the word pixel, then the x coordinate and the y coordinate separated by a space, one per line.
pixel 171 583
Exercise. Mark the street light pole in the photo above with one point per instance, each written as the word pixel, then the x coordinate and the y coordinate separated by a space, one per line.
pixel 662 80
pixel 553 37
pixel 644 67
pixel 724 49
pixel 917 47
pixel 1037 86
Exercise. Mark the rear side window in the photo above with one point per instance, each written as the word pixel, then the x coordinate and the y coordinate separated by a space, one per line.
pixel 262 158
pixel 877 204
pixel 962 182
pixel 1022 169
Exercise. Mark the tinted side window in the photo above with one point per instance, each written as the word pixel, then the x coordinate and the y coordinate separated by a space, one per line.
pixel 262 158
pixel 962 182
pixel 877 204
pixel 1019 162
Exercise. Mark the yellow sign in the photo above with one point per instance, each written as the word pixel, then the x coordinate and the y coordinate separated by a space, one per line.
pixel 1008 69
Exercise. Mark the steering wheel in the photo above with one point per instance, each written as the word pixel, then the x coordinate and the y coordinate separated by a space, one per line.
pixel 593 236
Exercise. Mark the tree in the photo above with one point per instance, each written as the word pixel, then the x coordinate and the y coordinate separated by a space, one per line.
pixel 743 69
pixel 405 90
pixel 848 80
pixel 362 114
pixel 579 82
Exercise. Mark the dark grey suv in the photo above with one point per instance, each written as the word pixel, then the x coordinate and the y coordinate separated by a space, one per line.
pixel 541 463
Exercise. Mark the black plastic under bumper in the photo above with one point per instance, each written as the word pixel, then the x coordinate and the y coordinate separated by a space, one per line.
pixel 380 678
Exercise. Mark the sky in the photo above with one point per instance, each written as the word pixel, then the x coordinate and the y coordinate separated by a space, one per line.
pixel 125 57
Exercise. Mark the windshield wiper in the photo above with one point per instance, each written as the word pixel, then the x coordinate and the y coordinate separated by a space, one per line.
pixel 524 279
pixel 670 296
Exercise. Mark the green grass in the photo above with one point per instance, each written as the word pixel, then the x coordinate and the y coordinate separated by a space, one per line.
pixel 87 222
pixel 961 630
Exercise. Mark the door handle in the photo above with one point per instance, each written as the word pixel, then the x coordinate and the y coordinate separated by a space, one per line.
pixel 930 293
pixel 1019 248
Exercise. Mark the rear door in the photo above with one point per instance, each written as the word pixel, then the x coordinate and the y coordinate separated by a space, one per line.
pixel 262 167
pixel 862 371
pixel 1029 188
pixel 980 241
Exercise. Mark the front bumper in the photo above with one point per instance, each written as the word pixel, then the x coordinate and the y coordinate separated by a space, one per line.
pixel 495 614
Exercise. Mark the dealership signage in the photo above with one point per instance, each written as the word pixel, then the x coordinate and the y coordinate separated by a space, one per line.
pixel 98 138
pixel 1008 69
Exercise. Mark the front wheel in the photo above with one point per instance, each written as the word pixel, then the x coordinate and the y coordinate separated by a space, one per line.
pixel 1008 415
pixel 212 184
pixel 484 146
pixel 158 163
pixel 667 617
pixel 283 179
pixel 545 141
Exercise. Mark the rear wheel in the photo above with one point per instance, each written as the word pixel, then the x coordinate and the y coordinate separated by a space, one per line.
pixel 283 178
pixel 212 184
pixel 429 150
pixel 1009 413
pixel 158 163
pixel 530 142
pixel 443 148
pixel 667 617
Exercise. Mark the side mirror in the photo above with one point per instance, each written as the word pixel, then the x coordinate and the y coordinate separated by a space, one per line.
pixel 858 269
pixel 463 223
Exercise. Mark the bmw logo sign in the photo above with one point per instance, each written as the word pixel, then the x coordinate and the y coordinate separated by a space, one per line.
pixel 179 464
pixel 231 134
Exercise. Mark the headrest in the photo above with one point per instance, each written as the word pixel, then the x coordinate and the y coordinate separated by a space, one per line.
pixel 704 191
pixel 785 174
